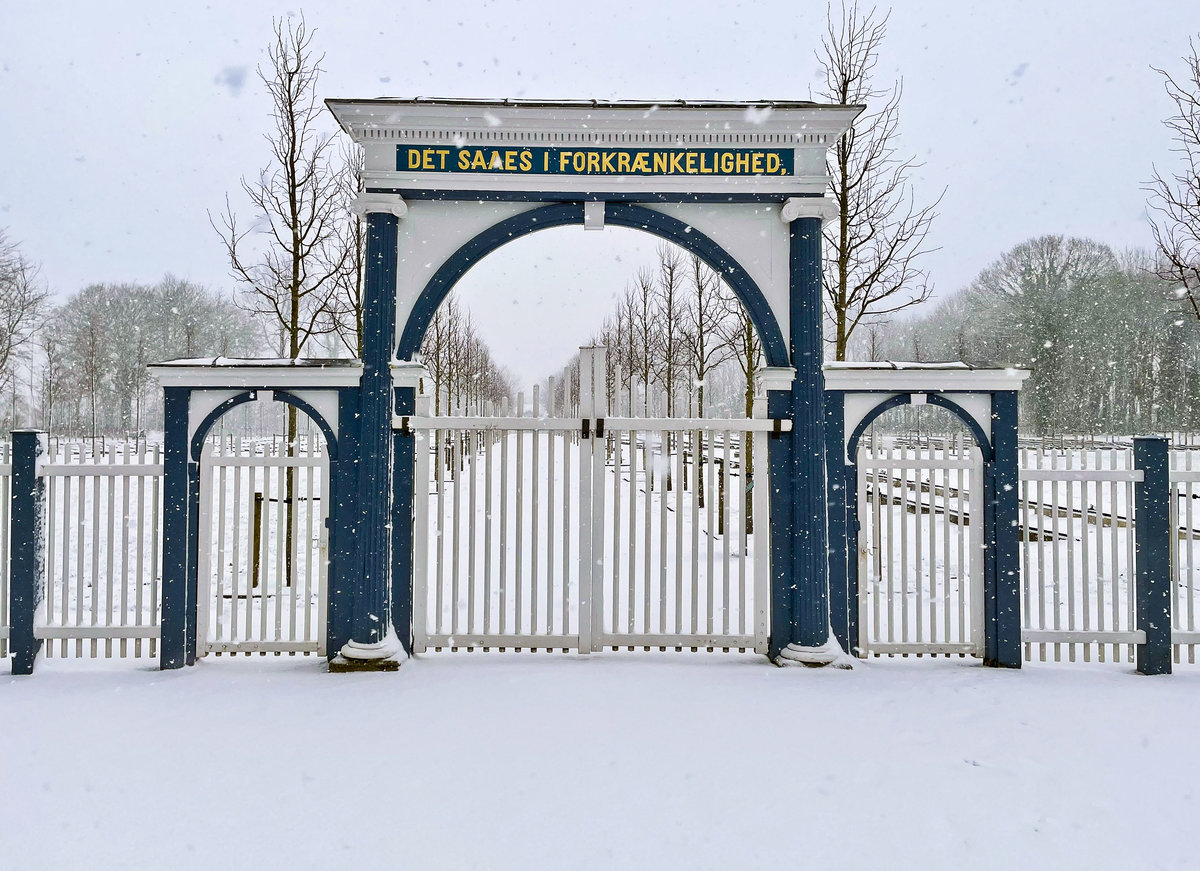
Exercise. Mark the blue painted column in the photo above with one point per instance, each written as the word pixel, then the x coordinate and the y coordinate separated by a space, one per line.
pixel 841 604
pixel 173 642
pixel 810 578
pixel 369 623
pixel 403 473
pixel 1002 568
pixel 1153 540
pixel 343 524
pixel 27 554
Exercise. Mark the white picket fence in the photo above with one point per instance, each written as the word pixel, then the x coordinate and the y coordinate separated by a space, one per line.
pixel 920 571
pixel 665 569
pixel 103 550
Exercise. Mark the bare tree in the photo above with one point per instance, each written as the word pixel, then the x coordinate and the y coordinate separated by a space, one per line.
pixel 708 310
pixel 345 307
pixel 22 300
pixel 299 203
pixel 873 247
pixel 1175 197
pixel 669 340
pixel 298 199
pixel 737 333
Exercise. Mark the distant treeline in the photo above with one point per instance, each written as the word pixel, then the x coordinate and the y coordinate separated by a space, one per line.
pixel 1110 344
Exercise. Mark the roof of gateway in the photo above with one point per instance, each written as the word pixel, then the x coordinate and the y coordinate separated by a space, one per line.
pixel 598 104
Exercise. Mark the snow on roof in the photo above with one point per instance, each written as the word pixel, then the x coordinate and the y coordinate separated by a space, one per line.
pixel 592 103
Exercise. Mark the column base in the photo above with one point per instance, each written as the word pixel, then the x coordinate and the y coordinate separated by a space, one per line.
pixel 384 655
pixel 828 654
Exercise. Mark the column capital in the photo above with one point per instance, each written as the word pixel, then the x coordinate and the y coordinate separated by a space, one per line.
pixel 808 207
pixel 775 378
pixel 406 373
pixel 365 204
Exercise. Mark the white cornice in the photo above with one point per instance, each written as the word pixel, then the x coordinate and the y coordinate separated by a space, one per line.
pixel 567 123
pixel 946 378
pixel 219 372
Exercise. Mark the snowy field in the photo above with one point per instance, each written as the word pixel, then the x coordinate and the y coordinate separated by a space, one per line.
pixel 656 761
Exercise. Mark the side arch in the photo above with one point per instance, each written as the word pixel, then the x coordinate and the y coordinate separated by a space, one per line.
pixel 618 214
pixel 981 438
pixel 284 396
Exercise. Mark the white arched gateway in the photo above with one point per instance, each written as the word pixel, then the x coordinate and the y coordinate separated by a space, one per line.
pixel 739 184
pixel 446 182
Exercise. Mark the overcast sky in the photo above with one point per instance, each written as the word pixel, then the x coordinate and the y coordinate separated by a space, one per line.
pixel 121 123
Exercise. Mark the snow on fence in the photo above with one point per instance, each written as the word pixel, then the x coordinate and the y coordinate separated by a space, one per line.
pixel 103 550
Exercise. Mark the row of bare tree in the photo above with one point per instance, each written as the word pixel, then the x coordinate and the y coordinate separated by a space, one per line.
pixel 465 376
pixel 674 326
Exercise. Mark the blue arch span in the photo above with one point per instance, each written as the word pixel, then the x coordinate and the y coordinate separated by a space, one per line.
pixel 620 215
pixel 283 396
pixel 977 433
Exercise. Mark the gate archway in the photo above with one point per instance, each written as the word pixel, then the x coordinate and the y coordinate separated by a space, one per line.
pixel 741 184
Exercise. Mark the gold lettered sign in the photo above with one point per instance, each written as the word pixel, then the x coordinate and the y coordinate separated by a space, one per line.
pixel 598 161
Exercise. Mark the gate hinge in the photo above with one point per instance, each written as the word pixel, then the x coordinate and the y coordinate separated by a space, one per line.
pixel 599 427
pixel 777 429
pixel 587 427
pixel 404 428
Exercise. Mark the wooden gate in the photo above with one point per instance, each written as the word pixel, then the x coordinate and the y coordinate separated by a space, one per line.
pixel 262 589
pixel 564 525
pixel 920 547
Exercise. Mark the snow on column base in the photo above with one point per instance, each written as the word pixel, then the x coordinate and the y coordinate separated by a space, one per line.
pixel 383 655
pixel 829 653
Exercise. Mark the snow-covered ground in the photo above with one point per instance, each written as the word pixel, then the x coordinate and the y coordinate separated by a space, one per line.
pixel 656 761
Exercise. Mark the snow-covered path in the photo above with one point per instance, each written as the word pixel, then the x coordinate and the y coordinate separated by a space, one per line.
pixel 656 761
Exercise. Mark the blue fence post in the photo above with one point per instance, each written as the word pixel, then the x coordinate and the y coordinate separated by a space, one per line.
pixel 1002 566
pixel 841 606
pixel 173 624
pixel 1152 543
pixel 27 553
pixel 780 520
pixel 343 525
pixel 407 381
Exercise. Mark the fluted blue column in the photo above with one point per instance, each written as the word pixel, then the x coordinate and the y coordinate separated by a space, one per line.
pixel 368 645
pixel 810 567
